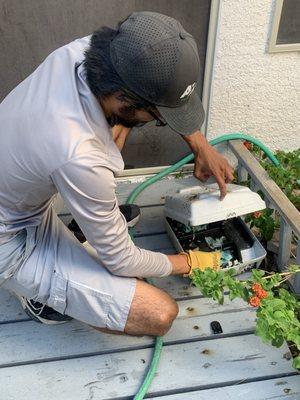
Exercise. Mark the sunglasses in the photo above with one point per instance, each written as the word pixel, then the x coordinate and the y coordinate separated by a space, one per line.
pixel 160 121
pixel 150 108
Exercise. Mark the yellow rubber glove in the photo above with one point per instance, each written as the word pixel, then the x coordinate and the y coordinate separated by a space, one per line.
pixel 203 260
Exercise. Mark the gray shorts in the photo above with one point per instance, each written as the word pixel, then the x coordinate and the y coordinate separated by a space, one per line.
pixel 67 276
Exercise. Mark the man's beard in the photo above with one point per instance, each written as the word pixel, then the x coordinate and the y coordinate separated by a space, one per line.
pixel 124 117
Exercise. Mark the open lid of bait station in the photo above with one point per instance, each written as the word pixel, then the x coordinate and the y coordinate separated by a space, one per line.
pixel 199 205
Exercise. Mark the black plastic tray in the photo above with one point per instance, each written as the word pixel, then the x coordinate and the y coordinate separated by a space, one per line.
pixel 237 237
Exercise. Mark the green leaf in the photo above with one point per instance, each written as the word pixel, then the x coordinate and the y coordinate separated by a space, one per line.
pixel 293 267
pixel 279 315
pixel 231 272
pixel 248 218
pixel 269 283
pixel 262 330
pixel 245 295
pixel 277 304
pixel 257 274
pixel 296 362
pixel 268 212
pixel 294 337
pixel 278 341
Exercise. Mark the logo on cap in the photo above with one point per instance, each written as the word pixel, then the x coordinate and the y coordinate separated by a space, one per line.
pixel 188 91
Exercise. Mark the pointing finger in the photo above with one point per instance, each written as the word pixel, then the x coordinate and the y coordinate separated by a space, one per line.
pixel 222 186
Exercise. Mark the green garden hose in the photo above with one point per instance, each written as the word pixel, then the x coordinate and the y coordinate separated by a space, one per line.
pixel 190 157
pixel 224 138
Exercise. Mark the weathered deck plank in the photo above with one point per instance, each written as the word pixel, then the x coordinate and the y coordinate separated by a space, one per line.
pixel 196 365
pixel 74 338
pixel 287 388
pixel 10 308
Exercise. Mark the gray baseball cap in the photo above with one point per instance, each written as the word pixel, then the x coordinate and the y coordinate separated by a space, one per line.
pixel 158 60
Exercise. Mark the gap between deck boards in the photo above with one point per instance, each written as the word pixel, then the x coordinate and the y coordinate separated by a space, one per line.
pixel 190 390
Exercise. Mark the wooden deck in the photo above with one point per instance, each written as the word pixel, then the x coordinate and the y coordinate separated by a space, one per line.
pixel 74 362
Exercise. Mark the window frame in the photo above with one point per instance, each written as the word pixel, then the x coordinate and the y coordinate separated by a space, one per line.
pixel 273 46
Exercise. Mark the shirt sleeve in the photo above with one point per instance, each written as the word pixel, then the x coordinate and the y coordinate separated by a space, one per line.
pixel 88 190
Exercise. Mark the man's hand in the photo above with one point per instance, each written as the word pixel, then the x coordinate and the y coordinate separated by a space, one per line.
pixel 208 162
pixel 202 260
pixel 211 163
pixel 120 134
pixel 185 263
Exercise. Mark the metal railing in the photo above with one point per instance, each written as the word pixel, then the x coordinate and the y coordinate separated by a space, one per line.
pixel 249 167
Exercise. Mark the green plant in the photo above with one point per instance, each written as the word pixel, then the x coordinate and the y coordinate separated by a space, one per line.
pixel 287 178
pixel 264 221
pixel 277 315
pixel 287 175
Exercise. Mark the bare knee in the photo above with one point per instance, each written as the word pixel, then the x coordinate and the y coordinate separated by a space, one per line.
pixel 166 318
pixel 152 311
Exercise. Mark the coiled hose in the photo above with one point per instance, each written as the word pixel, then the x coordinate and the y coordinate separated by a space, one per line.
pixel 131 199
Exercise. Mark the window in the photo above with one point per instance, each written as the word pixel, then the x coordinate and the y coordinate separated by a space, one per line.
pixel 285 34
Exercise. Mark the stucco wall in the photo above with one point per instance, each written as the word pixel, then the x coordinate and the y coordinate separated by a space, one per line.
pixel 253 91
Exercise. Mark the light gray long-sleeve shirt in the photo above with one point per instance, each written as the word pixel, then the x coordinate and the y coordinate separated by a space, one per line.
pixel 54 138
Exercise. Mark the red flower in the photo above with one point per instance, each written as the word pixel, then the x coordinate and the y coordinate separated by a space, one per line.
pixel 256 287
pixel 254 301
pixel 262 294
pixel 257 214
pixel 248 145
pixel 259 291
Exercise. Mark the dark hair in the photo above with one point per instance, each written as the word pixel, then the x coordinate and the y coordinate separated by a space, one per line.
pixel 101 75
pixel 102 78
